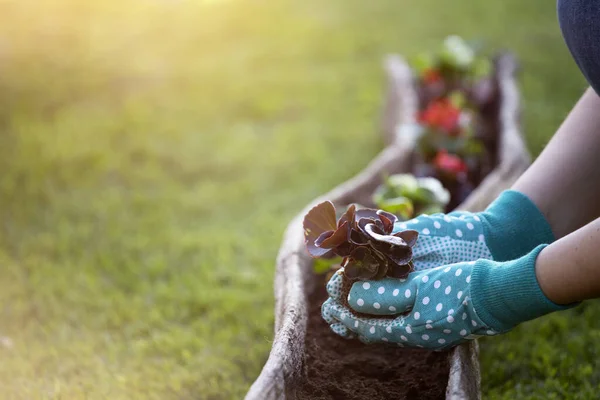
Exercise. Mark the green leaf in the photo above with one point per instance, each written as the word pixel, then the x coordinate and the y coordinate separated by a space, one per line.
pixel 402 183
pixel 458 99
pixel 400 206
pixel 394 186
pixel 457 54
pixel 323 265
pixel 472 147
pixel 423 196
pixel 481 68
pixel 423 62
pixel 442 195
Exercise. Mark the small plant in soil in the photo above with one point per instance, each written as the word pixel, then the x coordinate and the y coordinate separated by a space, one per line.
pixel 449 146
pixel 457 65
pixel 454 84
pixel 406 196
pixel 363 238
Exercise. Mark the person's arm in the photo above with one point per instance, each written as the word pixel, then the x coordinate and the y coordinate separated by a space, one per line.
pixel 568 270
pixel 563 180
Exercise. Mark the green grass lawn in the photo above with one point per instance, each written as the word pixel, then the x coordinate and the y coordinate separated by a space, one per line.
pixel 152 152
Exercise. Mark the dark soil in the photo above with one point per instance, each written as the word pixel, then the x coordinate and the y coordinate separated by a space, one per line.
pixel 337 368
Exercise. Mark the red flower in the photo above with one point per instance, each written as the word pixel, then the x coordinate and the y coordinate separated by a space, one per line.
pixel 431 76
pixel 449 162
pixel 441 114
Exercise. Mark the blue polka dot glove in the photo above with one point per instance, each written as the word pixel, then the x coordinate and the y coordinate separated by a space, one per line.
pixel 509 228
pixel 441 307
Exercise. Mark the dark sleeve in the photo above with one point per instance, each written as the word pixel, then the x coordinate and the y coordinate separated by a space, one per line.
pixel 580 25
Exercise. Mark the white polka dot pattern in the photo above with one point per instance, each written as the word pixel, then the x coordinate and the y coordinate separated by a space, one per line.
pixel 431 251
pixel 432 309
pixel 447 239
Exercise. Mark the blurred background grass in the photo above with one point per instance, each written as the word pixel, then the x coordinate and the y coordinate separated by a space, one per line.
pixel 152 152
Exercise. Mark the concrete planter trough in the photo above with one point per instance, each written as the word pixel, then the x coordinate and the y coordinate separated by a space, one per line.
pixel 285 369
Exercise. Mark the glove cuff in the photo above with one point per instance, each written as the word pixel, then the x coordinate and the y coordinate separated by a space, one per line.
pixel 504 295
pixel 513 226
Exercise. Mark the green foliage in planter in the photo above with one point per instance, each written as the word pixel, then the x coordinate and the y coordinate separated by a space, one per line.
pixel 456 61
pixel 407 196
pixel 325 265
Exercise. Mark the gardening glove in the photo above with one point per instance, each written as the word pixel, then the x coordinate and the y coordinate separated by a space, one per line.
pixel 442 307
pixel 509 228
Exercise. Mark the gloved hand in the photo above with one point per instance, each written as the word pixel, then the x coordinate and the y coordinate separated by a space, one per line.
pixel 509 228
pixel 443 306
